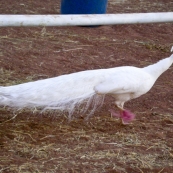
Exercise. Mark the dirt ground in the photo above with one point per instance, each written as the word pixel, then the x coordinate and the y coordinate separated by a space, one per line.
pixel 34 142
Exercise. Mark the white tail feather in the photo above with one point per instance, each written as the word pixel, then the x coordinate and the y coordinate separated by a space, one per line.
pixel 65 93
pixel 82 105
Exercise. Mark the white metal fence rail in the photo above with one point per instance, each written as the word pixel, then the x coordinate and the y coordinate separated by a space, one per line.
pixel 84 20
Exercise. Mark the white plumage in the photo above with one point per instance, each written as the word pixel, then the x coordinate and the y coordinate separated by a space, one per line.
pixel 67 92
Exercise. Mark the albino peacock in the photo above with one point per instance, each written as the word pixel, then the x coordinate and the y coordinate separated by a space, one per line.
pixel 67 92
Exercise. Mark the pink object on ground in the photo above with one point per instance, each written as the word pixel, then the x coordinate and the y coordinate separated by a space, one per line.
pixel 125 115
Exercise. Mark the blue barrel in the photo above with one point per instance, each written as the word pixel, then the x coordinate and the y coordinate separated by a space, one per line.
pixel 83 6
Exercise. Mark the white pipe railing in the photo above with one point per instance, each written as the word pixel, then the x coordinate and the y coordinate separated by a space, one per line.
pixel 84 20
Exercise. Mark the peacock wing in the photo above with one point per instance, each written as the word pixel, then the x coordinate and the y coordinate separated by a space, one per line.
pixel 129 82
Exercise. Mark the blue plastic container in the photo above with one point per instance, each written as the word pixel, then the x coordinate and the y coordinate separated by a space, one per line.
pixel 83 6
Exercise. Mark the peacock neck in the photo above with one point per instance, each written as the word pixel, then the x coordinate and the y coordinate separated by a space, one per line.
pixel 157 69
